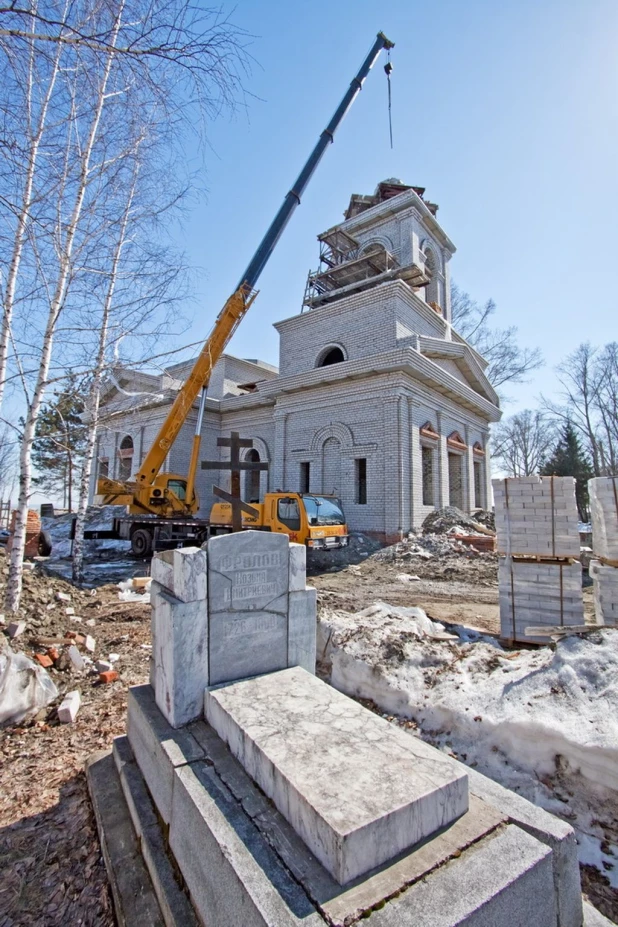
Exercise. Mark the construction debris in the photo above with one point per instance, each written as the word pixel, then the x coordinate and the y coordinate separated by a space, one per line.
pixel 67 711
pixel 451 520
pixel 25 687
pixel 16 628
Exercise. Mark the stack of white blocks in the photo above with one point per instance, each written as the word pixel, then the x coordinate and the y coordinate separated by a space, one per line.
pixel 603 492
pixel 537 517
pixel 538 594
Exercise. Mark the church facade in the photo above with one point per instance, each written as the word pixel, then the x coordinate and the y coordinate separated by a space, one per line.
pixel 376 398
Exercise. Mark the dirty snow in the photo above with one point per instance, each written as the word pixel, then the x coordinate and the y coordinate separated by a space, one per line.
pixel 543 722
pixel 98 518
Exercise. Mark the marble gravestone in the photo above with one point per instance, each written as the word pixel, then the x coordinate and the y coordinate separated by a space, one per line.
pixel 260 796
pixel 239 609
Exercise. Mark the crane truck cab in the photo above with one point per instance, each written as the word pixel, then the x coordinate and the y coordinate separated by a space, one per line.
pixel 314 520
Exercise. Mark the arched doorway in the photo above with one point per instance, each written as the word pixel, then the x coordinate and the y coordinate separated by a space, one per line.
pixel 331 467
pixel 125 458
pixel 252 478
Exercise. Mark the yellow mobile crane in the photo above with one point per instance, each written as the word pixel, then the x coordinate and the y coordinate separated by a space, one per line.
pixel 162 506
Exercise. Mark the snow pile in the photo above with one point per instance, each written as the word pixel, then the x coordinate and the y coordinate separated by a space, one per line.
pixel 543 709
pixel 543 723
pixel 98 518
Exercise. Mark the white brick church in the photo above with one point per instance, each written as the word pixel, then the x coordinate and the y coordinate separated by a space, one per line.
pixel 376 398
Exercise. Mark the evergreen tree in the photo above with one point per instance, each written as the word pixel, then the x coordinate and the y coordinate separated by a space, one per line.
pixel 59 444
pixel 569 459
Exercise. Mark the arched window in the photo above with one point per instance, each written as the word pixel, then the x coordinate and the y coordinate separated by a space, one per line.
pixel 432 289
pixel 252 479
pixel 125 455
pixel 331 355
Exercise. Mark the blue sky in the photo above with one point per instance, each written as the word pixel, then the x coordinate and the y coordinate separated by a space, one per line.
pixel 505 112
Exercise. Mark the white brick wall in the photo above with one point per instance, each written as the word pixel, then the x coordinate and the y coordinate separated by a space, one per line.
pixel 394 380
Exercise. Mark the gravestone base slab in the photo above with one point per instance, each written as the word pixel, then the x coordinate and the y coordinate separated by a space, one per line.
pixel 243 863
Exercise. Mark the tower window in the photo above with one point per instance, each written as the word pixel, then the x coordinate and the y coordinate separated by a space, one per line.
pixel 332 356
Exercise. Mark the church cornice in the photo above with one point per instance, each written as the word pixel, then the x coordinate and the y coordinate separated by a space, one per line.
pixel 406 360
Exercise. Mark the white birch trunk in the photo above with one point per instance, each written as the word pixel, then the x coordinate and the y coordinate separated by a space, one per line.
pixel 23 214
pixel 94 399
pixel 14 582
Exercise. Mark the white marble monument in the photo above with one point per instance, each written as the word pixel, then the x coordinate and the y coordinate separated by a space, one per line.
pixel 239 609
pixel 284 803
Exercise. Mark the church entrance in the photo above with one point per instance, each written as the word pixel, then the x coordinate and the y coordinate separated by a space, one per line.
pixel 252 478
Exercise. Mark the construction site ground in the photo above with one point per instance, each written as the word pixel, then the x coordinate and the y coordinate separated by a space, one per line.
pixel 51 870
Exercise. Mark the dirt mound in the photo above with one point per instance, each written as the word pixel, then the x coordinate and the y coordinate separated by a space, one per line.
pixel 451 520
pixel 360 547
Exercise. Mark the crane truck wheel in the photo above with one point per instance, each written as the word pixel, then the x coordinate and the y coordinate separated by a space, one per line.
pixel 44 544
pixel 141 542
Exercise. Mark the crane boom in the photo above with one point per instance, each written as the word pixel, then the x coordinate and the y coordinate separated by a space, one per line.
pixel 137 493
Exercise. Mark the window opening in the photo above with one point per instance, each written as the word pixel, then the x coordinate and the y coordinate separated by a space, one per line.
pixel 305 476
pixel 360 465
pixel 334 356
pixel 477 485
pixel 427 455
pixel 252 481
pixel 125 455
pixel 455 481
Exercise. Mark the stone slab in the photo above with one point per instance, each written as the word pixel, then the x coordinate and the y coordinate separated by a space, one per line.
pixel 298 567
pixel 347 781
pixel 182 572
pixel 302 628
pixel 180 655
pixel 248 581
pixel 158 748
pixel 341 905
pixel 135 903
pixel 233 876
pixel 246 644
pixel 506 881
pixel 250 858
pixel 173 902
pixel 249 570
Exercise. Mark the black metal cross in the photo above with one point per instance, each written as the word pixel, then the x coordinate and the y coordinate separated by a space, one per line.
pixel 235 464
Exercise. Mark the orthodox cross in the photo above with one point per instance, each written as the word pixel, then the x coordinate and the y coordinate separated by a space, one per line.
pixel 235 464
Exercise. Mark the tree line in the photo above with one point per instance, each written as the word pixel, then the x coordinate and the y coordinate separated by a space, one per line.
pixel 575 434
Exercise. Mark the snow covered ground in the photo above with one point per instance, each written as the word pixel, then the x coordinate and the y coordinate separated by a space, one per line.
pixel 542 722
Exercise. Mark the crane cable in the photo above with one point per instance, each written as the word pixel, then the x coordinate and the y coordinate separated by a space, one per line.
pixel 388 70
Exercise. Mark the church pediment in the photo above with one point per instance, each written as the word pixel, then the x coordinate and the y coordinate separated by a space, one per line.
pixel 460 362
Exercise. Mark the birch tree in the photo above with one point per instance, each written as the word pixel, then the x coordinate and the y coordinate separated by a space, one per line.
pixel 522 442
pixel 509 362
pixel 111 68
